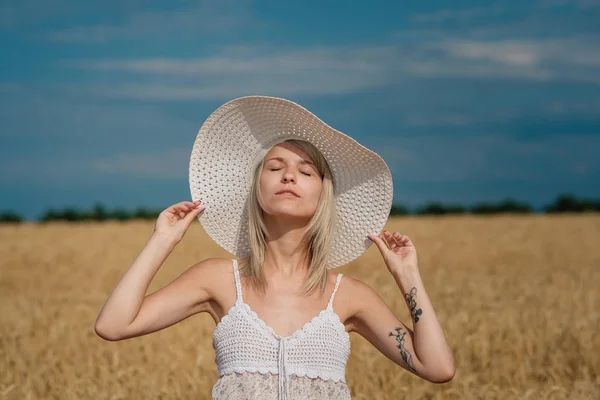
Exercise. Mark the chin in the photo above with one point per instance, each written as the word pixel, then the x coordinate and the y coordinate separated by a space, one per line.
pixel 283 214
pixel 287 212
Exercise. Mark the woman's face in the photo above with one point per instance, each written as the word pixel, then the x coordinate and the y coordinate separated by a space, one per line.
pixel 287 167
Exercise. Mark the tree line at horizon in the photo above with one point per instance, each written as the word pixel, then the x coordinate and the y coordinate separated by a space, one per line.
pixel 563 203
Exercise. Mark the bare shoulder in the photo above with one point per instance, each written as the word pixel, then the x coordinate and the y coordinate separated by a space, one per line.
pixel 357 297
pixel 356 291
pixel 210 273
pixel 216 277
pixel 212 265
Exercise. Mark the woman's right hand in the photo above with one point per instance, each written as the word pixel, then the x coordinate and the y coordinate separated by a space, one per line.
pixel 173 222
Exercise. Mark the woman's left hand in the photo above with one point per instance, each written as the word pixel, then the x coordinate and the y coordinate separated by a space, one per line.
pixel 398 252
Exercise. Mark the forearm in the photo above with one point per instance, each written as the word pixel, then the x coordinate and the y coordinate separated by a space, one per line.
pixel 125 301
pixel 431 347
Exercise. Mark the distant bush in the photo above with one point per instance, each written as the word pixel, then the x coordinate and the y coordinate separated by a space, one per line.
pixel 98 213
pixel 10 217
pixel 506 206
pixel 398 209
pixel 563 203
pixel 142 213
pixel 569 203
pixel 68 214
pixel 437 208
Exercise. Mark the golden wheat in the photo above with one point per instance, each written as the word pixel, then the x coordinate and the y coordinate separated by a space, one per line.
pixel 517 297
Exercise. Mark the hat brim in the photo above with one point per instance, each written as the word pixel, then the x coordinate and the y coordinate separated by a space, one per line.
pixel 232 140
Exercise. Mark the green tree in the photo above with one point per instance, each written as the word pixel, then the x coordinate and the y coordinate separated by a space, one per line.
pixel 10 217
pixel 437 208
pixel 569 203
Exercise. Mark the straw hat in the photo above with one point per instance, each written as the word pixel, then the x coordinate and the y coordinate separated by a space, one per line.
pixel 235 138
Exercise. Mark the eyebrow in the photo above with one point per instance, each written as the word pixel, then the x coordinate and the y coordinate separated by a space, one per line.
pixel 281 159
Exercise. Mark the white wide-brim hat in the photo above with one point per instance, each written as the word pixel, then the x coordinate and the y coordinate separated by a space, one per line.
pixel 233 141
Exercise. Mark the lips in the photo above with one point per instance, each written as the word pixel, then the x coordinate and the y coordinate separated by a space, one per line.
pixel 288 191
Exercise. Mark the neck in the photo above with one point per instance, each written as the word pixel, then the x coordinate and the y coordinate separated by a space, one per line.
pixel 285 256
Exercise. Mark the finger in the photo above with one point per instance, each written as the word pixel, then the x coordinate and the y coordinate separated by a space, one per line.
pixel 174 209
pixel 380 243
pixel 394 238
pixel 192 214
pixel 186 209
pixel 191 205
pixel 182 207
pixel 389 239
pixel 403 239
pixel 398 238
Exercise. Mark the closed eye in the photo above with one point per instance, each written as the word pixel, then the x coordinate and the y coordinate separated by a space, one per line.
pixel 300 171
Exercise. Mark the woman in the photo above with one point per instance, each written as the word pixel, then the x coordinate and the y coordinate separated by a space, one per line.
pixel 293 199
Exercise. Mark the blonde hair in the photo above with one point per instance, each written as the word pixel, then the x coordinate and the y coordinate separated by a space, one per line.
pixel 318 237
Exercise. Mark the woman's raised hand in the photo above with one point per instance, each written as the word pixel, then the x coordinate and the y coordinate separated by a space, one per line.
pixel 397 250
pixel 173 222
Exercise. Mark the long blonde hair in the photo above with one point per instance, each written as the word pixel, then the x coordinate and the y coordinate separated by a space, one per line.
pixel 318 237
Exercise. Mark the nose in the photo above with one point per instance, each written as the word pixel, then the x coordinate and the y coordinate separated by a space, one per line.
pixel 288 176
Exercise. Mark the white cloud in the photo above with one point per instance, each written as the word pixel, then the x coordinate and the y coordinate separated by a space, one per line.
pixel 504 20
pixel 475 15
pixel 206 16
pixel 559 60
pixel 360 60
pixel 315 71
pixel 321 85
pixel 572 51
pixel 133 19
pixel 459 15
pixel 343 70
pixel 517 53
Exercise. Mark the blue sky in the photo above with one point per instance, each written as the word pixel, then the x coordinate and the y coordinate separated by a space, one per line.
pixel 466 101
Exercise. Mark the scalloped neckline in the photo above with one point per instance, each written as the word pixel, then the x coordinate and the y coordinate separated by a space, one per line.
pixel 264 325
pixel 302 330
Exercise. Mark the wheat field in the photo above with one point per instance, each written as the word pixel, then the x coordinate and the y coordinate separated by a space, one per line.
pixel 518 298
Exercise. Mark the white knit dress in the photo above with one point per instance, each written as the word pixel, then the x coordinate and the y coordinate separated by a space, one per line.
pixel 256 363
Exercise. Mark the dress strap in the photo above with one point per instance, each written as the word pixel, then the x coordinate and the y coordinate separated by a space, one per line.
pixel 337 284
pixel 238 284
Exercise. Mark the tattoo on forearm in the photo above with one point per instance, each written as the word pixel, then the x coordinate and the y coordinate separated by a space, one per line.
pixel 412 304
pixel 405 354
